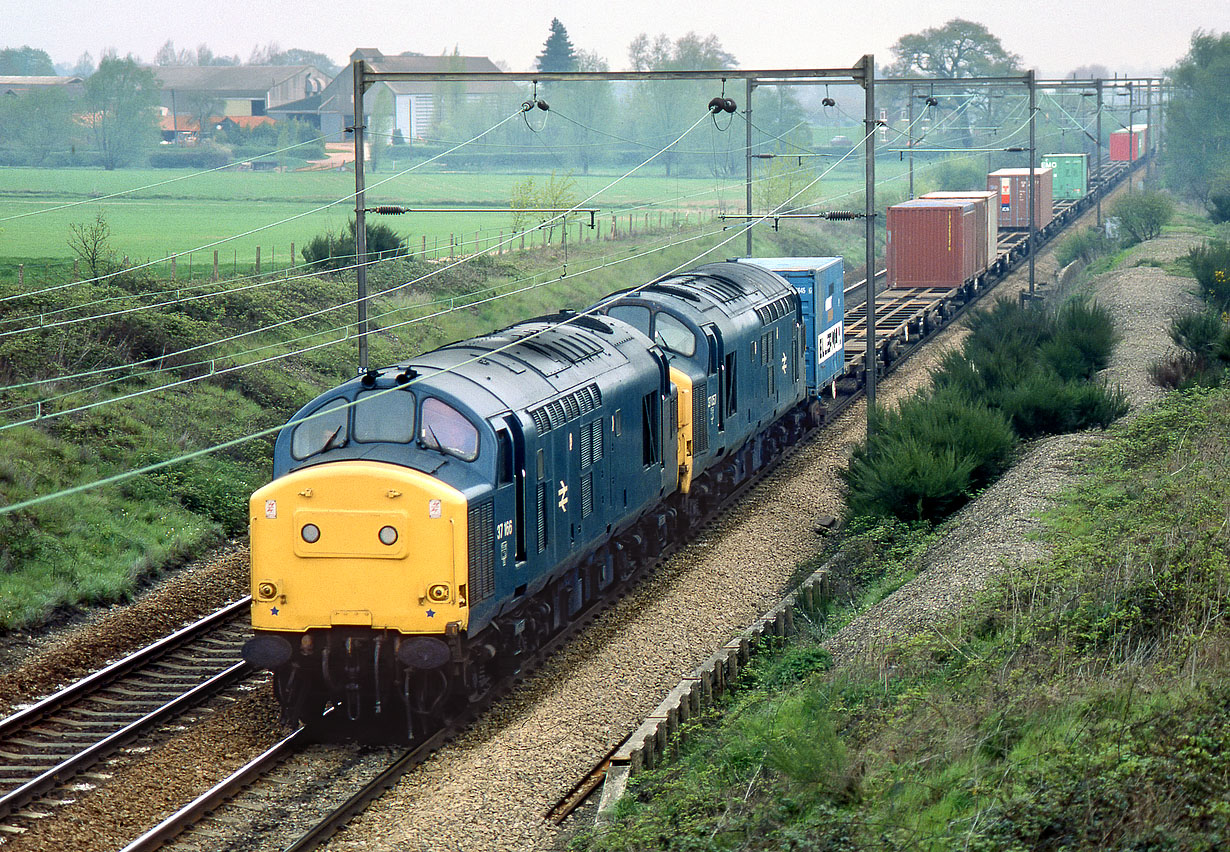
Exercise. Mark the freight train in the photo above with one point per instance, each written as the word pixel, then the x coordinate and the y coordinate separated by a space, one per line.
pixel 431 523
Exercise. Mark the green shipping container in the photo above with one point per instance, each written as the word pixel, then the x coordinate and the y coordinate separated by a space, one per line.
pixel 1071 174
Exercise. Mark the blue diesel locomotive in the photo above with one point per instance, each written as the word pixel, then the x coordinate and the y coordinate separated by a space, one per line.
pixel 430 523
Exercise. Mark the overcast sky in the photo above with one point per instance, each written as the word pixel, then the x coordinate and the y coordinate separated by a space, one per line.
pixel 1055 36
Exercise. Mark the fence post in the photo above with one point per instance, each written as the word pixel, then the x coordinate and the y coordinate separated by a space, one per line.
pixel 21 275
pixel 292 255
pixel 172 267
pixel 630 224
pixel 215 264
pixel 76 272
pixel 258 260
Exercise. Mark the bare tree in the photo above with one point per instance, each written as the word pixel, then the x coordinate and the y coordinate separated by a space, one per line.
pixel 91 243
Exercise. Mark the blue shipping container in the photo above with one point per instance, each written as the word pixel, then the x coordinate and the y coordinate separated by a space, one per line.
pixel 821 285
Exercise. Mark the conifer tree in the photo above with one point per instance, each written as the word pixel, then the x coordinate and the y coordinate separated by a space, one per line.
pixel 557 52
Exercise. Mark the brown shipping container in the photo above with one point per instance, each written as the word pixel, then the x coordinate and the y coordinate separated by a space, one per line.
pixel 1012 186
pixel 985 200
pixel 933 243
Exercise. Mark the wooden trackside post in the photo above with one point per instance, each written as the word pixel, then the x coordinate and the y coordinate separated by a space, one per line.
pixel 172 267
pixel 292 255
pixel 215 264
pixel 21 275
pixel 258 260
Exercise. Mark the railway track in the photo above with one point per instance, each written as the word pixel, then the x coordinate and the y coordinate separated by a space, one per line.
pixel 53 741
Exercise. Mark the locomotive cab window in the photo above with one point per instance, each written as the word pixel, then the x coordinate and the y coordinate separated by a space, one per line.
pixel 446 429
pixel 636 316
pixel 326 430
pixel 384 417
pixel 674 336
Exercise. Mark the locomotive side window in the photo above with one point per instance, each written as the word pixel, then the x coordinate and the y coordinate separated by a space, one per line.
pixel 673 335
pixel 326 430
pixel 636 316
pixel 446 429
pixel 384 417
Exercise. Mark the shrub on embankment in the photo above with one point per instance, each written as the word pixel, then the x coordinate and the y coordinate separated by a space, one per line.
pixel 1202 336
pixel 1021 373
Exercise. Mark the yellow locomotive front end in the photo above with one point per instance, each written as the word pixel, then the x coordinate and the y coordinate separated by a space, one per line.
pixel 355 543
pixel 359 575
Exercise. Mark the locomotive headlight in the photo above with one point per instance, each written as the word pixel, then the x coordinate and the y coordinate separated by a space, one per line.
pixel 388 535
pixel 438 593
pixel 310 533
pixel 267 590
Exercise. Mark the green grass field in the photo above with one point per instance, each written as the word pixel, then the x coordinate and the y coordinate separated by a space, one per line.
pixel 202 209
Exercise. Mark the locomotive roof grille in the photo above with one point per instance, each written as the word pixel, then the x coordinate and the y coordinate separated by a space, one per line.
pixel 555 413
pixel 727 290
pixel 776 309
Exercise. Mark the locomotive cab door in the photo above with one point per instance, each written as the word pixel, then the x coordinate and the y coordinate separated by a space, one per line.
pixel 510 484
pixel 717 378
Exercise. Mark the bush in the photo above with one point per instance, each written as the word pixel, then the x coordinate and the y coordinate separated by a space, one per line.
pixel 1021 373
pixel 207 155
pixel 1085 245
pixel 927 457
pixel 1141 215
pixel 1090 330
pixel 959 174
pixel 330 251
pixel 1199 333
pixel 1210 265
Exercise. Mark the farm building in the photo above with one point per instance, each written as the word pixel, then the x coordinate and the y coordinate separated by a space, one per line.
pixel 412 108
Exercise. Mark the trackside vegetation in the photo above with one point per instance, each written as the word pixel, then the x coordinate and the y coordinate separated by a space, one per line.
pixel 1021 373
pixel 1081 703
pixel 1202 337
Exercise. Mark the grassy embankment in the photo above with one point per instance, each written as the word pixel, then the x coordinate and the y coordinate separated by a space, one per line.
pixel 1081 703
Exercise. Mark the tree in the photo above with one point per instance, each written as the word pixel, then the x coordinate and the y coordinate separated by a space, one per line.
pixel 1198 124
pixel 84 66
pixel 1088 72
pixel 122 97
pixel 25 61
pixel 299 56
pixel 662 108
pixel 557 52
pixel 273 54
pixel 205 56
pixel 36 123
pixel 167 55
pixel 587 109
pixel 558 193
pixel 958 49
pixel 91 243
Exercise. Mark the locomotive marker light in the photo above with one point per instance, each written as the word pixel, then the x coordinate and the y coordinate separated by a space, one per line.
pixel 388 536
pixel 310 533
